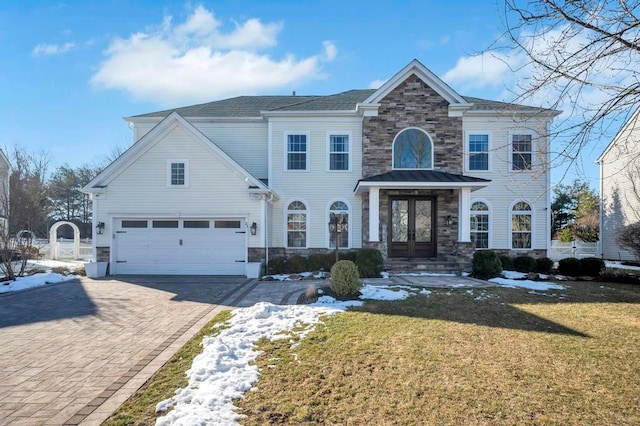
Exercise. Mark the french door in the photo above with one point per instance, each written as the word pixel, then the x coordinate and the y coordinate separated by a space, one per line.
pixel 412 227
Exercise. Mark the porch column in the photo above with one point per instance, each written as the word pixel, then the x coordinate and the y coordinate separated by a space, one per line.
pixel 374 214
pixel 464 215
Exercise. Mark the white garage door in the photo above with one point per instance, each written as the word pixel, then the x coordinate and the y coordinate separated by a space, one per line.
pixel 177 247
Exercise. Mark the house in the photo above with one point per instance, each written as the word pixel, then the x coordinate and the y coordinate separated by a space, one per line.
pixel 5 174
pixel 620 187
pixel 413 169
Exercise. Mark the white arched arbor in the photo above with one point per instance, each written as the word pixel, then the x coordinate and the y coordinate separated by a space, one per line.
pixel 53 239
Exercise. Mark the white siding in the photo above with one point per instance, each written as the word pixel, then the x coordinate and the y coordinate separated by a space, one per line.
pixel 244 141
pixel 317 186
pixel 507 186
pixel 619 166
pixel 141 189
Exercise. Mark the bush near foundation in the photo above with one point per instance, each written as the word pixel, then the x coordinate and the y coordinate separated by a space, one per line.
pixel 569 266
pixel 506 262
pixel 544 265
pixel 296 264
pixel 486 264
pixel 524 263
pixel 369 262
pixel 591 266
pixel 345 280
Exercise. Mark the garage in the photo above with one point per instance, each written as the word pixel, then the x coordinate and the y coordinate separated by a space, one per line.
pixel 210 246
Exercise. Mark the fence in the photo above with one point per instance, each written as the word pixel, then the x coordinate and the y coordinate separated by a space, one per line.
pixel 65 249
pixel 577 249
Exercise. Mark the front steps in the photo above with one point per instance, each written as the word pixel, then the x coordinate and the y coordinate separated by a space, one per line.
pixel 440 265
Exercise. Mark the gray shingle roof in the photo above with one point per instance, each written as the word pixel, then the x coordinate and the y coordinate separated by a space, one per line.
pixel 252 106
pixel 422 176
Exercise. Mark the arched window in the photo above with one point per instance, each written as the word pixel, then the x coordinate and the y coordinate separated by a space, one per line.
pixel 521 225
pixel 339 225
pixel 480 225
pixel 412 149
pixel 296 225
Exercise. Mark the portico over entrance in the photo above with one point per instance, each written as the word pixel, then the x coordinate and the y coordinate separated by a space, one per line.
pixel 417 214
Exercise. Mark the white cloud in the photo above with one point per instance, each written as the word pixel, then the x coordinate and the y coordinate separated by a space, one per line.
pixel 43 49
pixel 375 84
pixel 196 61
pixel 482 71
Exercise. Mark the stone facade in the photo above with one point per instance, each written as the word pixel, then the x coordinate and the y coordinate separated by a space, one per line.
pixel 103 254
pixel 412 104
pixel 446 204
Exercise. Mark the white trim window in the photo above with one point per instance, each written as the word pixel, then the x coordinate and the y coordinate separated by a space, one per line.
pixel 479 225
pixel 478 152
pixel 339 149
pixel 412 149
pixel 297 152
pixel 177 173
pixel 297 224
pixel 338 225
pixel 521 151
pixel 521 226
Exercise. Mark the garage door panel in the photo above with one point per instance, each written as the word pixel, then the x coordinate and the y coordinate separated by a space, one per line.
pixel 197 250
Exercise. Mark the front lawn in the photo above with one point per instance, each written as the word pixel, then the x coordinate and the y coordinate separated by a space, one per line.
pixel 494 356
pixel 511 358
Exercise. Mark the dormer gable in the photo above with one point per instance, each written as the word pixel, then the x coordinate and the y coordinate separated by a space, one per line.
pixel 457 104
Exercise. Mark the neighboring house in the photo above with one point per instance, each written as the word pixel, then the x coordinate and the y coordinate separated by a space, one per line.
pixel 413 169
pixel 5 174
pixel 620 187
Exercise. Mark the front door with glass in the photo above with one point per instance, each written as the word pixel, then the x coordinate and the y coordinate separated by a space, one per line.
pixel 412 227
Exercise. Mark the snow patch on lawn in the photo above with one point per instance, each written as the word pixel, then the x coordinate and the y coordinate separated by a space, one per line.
pixel 514 275
pixel 619 265
pixel 528 284
pixel 40 279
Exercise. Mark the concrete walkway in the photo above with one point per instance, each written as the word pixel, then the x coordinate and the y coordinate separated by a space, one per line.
pixel 72 353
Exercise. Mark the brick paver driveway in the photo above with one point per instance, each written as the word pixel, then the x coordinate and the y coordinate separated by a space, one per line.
pixel 71 353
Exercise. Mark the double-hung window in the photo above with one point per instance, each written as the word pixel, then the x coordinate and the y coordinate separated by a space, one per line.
pixel 296 224
pixel 478 152
pixel 338 152
pixel 521 152
pixel 177 173
pixel 297 152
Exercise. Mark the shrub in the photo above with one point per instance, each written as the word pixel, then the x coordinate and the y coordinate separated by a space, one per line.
pixel 315 262
pixel 369 262
pixel 506 262
pixel 569 266
pixel 348 255
pixel 486 264
pixel 544 265
pixel 345 280
pixel 591 266
pixel 329 259
pixel 62 270
pixel 296 264
pixel 277 265
pixel 524 263
pixel 629 237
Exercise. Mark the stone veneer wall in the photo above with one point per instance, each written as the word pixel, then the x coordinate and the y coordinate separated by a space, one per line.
pixel 412 104
pixel 103 254
pixel 446 204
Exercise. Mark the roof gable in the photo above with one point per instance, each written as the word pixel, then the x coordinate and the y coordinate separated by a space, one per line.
pixel 633 124
pixel 145 143
pixel 416 68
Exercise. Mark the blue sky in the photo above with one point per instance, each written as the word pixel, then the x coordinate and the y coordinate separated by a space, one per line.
pixel 73 69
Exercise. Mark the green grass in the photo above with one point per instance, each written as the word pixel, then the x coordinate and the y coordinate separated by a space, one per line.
pixel 516 358
pixel 139 409
pixel 511 358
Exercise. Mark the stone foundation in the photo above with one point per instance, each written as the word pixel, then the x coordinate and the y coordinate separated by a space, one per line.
pixel 103 254
pixel 537 253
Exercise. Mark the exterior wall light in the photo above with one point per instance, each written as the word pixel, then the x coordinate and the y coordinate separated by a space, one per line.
pixel 100 228
pixel 253 228
pixel 449 220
